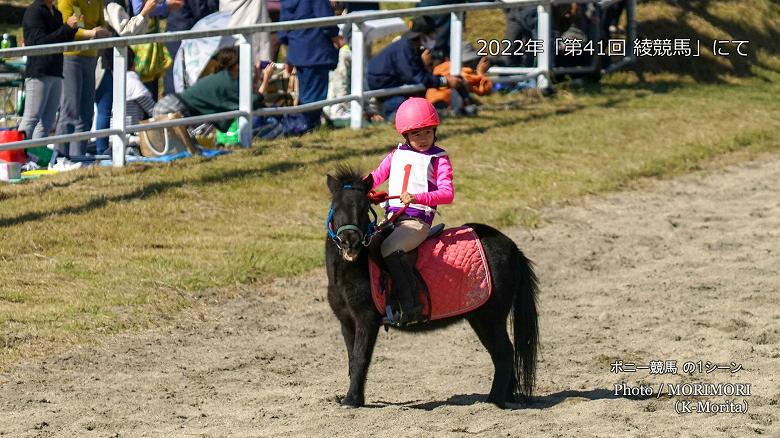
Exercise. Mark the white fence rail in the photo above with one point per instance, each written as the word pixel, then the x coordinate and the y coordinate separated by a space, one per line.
pixel 358 95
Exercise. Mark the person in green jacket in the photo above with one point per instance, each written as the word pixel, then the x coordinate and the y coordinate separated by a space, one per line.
pixel 215 93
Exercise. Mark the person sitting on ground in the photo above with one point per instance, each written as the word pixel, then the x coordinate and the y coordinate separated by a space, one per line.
pixel 140 104
pixel 400 64
pixel 183 19
pixel 474 74
pixel 339 83
pixel 573 31
pixel 215 93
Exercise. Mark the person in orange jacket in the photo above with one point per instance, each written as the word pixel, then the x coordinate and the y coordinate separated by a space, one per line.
pixel 475 80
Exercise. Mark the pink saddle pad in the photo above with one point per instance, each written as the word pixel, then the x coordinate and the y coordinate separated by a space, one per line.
pixel 454 267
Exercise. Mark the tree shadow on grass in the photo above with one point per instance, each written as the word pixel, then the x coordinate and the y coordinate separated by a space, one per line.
pixel 493 121
pixel 706 68
pixel 498 121
pixel 642 88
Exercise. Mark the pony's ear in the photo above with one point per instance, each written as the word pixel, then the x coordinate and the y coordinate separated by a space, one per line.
pixel 333 184
pixel 368 182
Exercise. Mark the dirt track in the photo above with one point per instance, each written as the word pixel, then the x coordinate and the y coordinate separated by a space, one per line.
pixel 685 271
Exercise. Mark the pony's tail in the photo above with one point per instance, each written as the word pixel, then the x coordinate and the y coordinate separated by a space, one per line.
pixel 526 327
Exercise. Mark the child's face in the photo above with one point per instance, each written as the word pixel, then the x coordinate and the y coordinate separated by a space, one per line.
pixel 421 139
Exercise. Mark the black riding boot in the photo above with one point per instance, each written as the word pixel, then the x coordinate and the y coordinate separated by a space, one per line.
pixel 405 287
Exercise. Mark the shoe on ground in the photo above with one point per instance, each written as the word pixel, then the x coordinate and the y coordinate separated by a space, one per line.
pixel 30 165
pixel 469 110
pixel 64 165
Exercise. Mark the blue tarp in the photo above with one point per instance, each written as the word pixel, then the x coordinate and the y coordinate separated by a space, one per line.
pixel 207 153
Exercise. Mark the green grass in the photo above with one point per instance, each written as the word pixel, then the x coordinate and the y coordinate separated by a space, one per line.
pixel 103 250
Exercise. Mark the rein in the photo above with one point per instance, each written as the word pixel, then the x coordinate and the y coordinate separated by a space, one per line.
pixel 378 198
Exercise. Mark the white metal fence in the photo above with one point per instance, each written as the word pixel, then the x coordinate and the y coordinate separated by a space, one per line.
pixel 358 97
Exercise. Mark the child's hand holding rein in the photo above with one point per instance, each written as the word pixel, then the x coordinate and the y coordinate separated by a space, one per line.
pixel 407 198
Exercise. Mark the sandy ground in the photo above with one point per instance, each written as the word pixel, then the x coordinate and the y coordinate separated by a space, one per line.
pixel 687 270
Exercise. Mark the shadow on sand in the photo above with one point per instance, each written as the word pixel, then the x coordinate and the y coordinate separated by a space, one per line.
pixel 536 402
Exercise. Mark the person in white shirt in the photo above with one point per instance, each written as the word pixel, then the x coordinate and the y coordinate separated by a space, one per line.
pixel 139 100
pixel 121 24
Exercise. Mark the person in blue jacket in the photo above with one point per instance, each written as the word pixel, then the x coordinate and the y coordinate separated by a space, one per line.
pixel 401 63
pixel 313 51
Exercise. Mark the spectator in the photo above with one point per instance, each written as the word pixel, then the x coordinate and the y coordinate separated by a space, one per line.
pixel 140 104
pixel 339 83
pixel 474 73
pixel 247 13
pixel 313 51
pixel 576 20
pixel 360 6
pixel 274 9
pixel 350 7
pixel 215 93
pixel 121 24
pixel 183 19
pixel 78 98
pixel 521 24
pixel 43 24
pixel 401 63
pixel 441 22
pixel 162 9
pixel 612 19
pixel 610 28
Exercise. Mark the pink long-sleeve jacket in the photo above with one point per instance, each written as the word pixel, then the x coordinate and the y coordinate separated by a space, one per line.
pixel 440 189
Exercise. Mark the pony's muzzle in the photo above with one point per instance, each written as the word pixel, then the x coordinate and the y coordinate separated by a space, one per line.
pixel 350 246
pixel 350 254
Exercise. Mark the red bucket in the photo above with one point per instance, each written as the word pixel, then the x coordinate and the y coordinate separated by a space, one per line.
pixel 14 155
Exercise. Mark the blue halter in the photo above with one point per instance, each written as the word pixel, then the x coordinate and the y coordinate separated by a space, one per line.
pixel 365 237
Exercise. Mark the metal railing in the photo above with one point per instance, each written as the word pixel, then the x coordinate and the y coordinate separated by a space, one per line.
pixel 358 95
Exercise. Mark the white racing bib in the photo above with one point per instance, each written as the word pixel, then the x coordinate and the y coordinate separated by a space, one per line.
pixel 421 172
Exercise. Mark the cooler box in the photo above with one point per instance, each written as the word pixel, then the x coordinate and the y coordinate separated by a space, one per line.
pixel 14 155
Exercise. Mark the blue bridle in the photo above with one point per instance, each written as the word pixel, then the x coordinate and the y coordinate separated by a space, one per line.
pixel 365 237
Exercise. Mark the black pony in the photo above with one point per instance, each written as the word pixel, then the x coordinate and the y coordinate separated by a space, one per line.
pixel 514 288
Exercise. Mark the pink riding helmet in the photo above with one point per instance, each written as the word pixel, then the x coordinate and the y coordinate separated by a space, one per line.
pixel 415 113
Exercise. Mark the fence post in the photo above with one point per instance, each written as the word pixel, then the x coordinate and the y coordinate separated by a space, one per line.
pixel 358 66
pixel 118 109
pixel 630 27
pixel 245 67
pixel 456 42
pixel 543 32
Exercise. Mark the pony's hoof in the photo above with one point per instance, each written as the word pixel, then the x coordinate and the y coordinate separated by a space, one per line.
pixel 351 401
pixel 501 404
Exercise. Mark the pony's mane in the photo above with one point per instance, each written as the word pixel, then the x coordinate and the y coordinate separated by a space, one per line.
pixel 347 174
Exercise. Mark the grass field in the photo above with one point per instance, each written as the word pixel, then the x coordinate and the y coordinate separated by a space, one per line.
pixel 102 250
